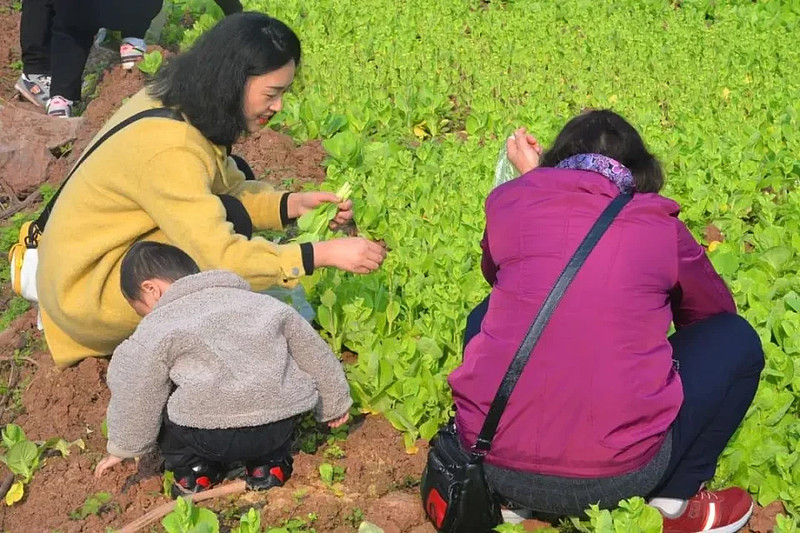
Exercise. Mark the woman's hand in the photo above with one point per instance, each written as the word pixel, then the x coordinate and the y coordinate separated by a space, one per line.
pixel 109 461
pixel 339 421
pixel 524 151
pixel 300 203
pixel 353 254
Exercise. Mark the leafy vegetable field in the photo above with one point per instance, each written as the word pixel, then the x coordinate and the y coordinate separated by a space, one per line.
pixel 413 100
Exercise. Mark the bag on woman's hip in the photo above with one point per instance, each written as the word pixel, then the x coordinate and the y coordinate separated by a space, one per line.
pixel 24 260
pixel 456 496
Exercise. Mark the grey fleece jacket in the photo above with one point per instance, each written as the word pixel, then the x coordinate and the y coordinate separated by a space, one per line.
pixel 237 359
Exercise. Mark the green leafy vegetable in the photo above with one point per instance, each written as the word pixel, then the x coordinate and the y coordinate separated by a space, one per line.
pixel 250 522
pixel 315 222
pixel 93 505
pixel 23 459
pixel 151 63
pixel 187 518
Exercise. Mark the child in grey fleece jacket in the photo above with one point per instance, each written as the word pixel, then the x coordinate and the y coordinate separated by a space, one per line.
pixel 214 374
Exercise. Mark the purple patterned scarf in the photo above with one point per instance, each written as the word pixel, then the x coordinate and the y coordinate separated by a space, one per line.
pixel 610 168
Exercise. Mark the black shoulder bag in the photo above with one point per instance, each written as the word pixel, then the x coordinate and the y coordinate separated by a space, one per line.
pixel 455 494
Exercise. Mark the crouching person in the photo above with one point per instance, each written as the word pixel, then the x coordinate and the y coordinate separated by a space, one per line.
pixel 214 374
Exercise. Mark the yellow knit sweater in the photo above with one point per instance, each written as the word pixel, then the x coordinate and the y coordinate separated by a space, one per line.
pixel 156 179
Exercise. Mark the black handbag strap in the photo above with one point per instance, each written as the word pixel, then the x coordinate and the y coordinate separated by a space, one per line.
pixel 160 112
pixel 484 442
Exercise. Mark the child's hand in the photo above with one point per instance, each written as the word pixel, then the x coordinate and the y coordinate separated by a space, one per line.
pixel 524 151
pixel 339 421
pixel 108 461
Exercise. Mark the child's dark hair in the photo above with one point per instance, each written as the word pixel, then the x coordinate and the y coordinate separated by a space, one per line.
pixel 207 82
pixel 153 260
pixel 605 132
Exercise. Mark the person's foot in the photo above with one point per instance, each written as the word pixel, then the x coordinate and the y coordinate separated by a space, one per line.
pixel 196 479
pixel 723 511
pixel 58 106
pixel 35 88
pixel 266 476
pixel 130 54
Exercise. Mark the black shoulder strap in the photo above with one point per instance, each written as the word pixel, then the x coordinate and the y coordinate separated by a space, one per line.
pixel 160 112
pixel 484 442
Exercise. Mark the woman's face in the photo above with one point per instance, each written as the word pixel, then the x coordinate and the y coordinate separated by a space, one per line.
pixel 263 95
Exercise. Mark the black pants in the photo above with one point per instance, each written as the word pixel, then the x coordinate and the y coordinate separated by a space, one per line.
pixel 183 447
pixel 37 27
pixel 720 361
pixel 75 24
pixel 35 32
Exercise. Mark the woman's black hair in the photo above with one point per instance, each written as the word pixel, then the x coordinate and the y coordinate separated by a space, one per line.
pixel 206 83
pixel 605 132
pixel 153 260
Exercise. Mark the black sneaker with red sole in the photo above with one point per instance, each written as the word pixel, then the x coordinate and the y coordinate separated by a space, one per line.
pixel 197 479
pixel 269 475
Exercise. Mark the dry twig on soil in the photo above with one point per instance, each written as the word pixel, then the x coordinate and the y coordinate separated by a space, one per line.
pixel 20 358
pixel 14 209
pixel 9 388
pixel 6 484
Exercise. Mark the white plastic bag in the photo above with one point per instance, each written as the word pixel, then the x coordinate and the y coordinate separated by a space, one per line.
pixel 504 171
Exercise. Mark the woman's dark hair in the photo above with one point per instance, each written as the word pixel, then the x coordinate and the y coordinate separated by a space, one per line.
pixel 207 82
pixel 605 132
pixel 153 260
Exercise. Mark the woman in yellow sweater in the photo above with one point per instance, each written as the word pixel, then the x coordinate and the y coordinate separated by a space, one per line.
pixel 174 181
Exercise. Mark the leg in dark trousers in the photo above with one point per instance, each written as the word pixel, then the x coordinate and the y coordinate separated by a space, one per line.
pixel 229 6
pixel 74 29
pixel 35 30
pixel 474 321
pixel 199 457
pixel 131 19
pixel 720 360
pixel 237 215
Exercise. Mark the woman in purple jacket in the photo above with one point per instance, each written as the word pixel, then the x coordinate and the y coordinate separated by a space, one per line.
pixel 608 407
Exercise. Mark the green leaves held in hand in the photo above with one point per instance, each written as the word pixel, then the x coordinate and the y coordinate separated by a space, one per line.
pixel 315 222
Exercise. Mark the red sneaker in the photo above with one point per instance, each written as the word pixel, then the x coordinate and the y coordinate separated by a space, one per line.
pixel 723 511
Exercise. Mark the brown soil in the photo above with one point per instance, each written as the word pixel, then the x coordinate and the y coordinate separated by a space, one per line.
pixel 274 157
pixel 9 49
pixel 763 519
pixel 712 233
pixel 379 485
